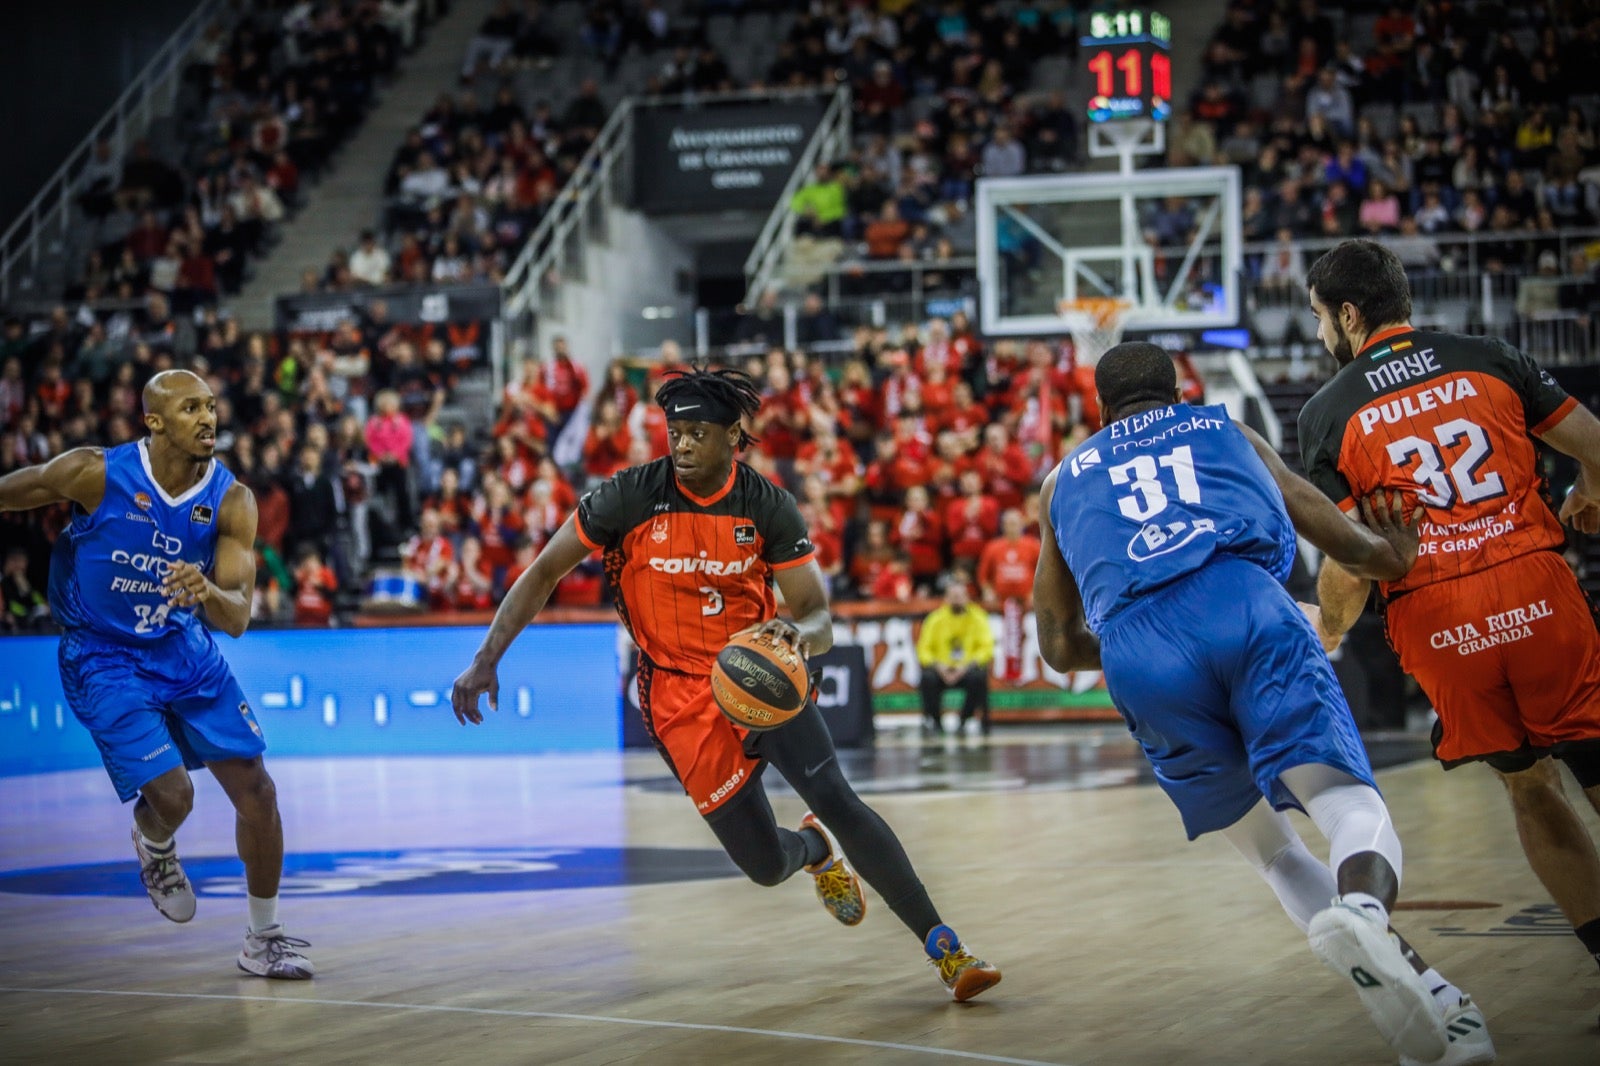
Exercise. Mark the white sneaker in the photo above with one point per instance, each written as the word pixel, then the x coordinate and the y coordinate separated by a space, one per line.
pixel 271 954
pixel 164 879
pixel 1469 1038
pixel 1352 944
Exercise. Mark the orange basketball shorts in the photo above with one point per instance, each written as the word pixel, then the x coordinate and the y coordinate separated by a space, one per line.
pixel 705 750
pixel 1509 656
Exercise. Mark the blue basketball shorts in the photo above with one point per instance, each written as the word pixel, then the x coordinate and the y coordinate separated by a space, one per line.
pixel 152 708
pixel 1224 683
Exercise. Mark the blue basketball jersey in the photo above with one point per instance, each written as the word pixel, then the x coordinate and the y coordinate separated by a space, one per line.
pixel 1156 496
pixel 106 570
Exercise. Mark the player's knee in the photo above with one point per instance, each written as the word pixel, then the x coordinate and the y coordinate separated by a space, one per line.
pixel 171 797
pixel 765 869
pixel 258 800
pixel 1538 784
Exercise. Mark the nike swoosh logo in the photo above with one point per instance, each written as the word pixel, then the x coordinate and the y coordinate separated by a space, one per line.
pixel 812 771
pixel 685 407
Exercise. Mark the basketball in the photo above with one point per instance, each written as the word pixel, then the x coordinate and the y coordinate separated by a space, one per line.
pixel 759 682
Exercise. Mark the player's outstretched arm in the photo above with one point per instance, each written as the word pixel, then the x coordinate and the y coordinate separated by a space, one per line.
pixel 525 600
pixel 806 596
pixel 77 476
pixel 1362 552
pixel 224 596
pixel 1578 435
pixel 1065 641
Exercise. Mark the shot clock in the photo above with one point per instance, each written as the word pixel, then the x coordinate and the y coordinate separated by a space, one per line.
pixel 1128 55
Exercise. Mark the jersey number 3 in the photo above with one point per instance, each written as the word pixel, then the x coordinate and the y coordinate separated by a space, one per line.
pixel 1148 498
pixel 1466 481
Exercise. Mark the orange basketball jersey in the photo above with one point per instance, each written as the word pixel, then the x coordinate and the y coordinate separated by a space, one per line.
pixel 1447 418
pixel 690 572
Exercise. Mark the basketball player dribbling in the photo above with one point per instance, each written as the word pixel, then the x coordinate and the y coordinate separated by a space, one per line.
pixel 1165 538
pixel 161 533
pixel 692 543
pixel 1491 622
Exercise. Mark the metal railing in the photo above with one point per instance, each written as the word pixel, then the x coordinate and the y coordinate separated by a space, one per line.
pixel 830 140
pixel 545 252
pixel 153 91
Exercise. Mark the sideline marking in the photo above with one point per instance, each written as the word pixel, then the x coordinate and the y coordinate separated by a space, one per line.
pixel 558 1016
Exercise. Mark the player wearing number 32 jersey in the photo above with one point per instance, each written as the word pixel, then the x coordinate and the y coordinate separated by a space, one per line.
pixel 1490 622
pixel 162 534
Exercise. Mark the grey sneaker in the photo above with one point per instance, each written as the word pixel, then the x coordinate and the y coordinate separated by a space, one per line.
pixel 271 954
pixel 164 879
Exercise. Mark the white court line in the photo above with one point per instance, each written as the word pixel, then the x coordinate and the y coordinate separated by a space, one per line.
pixel 553 1015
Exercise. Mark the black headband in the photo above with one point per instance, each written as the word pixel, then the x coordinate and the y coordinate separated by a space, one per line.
pixel 692 403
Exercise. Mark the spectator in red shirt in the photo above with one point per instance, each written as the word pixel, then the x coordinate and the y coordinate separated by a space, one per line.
pixel 567 382
pixel 920 534
pixel 894 391
pixel 945 469
pixel 314 586
pixel 870 558
pixel 428 557
pixel 884 234
pixel 1004 466
pixel 471 580
pixel 889 476
pixel 970 521
pixel 834 462
pixel 453 506
pixel 544 515
pixel 966 416
pixel 1005 569
pixel 514 464
pixel 605 449
pixel 940 351
pixel 827 532
pixel 893 583
pixel 528 404
pixel 497 522
pixel 783 419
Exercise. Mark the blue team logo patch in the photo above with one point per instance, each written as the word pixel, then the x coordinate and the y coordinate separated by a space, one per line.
pixel 201 515
pixel 412 872
pixel 1157 539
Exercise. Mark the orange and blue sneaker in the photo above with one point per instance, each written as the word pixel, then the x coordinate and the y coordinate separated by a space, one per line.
pixel 838 887
pixel 963 973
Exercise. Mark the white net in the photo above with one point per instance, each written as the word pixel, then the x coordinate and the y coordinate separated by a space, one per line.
pixel 1096 325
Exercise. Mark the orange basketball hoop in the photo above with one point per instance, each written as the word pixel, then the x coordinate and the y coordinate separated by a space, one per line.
pixel 1096 324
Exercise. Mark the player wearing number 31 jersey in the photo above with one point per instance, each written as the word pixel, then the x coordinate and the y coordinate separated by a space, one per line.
pixel 1491 622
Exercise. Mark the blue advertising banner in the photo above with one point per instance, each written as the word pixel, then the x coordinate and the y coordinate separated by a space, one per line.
pixel 355 692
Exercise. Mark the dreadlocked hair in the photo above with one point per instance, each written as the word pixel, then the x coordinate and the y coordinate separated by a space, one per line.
pixel 724 385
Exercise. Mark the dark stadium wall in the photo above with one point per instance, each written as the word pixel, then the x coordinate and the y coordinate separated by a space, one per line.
pixel 62 65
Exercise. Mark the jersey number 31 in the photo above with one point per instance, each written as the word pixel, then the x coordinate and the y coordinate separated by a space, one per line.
pixel 1148 498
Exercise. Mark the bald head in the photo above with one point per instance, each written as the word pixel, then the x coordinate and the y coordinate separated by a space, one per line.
pixel 170 386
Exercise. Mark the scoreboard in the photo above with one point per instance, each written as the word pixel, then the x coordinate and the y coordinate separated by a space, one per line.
pixel 1128 53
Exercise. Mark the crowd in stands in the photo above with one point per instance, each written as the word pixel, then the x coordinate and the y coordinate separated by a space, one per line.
pixel 263 106
pixel 1408 123
pixel 940 97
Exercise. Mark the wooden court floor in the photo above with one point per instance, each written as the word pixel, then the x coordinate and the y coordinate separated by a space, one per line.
pixel 572 909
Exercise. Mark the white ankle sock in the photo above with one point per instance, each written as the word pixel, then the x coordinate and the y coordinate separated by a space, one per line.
pixel 263 912
pixel 1367 903
pixel 155 845
pixel 1445 994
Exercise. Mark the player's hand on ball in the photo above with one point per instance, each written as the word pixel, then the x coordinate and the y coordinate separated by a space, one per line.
pixel 778 629
pixel 474 681
pixel 1313 613
pixel 1581 512
pixel 1386 515
pixel 185 586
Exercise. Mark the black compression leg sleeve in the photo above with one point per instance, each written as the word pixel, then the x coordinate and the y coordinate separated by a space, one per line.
pixel 803 752
pixel 749 832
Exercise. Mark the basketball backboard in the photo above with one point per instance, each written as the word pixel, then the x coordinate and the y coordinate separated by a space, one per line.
pixel 1167 241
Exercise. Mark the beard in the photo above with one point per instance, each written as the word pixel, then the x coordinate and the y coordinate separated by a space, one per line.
pixel 1344 353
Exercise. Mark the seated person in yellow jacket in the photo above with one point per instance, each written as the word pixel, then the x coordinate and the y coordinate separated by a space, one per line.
pixel 955 648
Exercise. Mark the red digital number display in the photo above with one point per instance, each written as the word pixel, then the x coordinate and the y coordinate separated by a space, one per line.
pixel 1133 81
